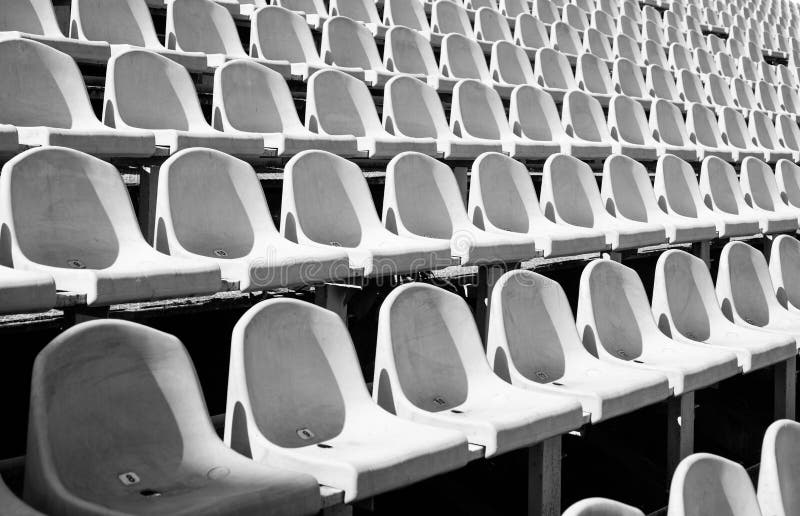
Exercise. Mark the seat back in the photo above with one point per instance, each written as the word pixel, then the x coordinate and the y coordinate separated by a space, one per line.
pixel 626 47
pixel 202 26
pixel 788 132
pixel 283 35
pixel 502 194
pixel 719 186
pixel 627 78
pixel 564 38
pixel 314 7
pixel 406 13
pixel 448 17
pixel 761 127
pixel 626 189
pixel 478 111
pixel 346 42
pixel 592 75
pixel 758 184
pixel 406 50
pixel 510 64
pixel 702 125
pixel 692 87
pixel 583 117
pixel 546 11
pixel 552 70
pixel 462 57
pixel 788 176
pixel 530 32
pixel 533 114
pixel 597 43
pixel 30 16
pixel 627 121
pixel 743 94
pixel 412 108
pixel 676 187
pixel 514 8
pixel 570 186
pixel 601 507
pixel 114 21
pixel 340 104
pixel 661 84
pixel 733 129
pixel 717 88
pixel 490 25
pixel 359 10
pixel 780 464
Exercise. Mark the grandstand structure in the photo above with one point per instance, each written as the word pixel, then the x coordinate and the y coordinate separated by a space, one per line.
pixel 383 256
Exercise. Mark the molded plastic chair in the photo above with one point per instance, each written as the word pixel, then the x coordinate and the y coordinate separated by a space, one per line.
pixel 704 132
pixel 421 199
pixel 47 232
pixel 448 17
pixel 768 98
pixel 411 14
pixel 616 325
pixel 692 90
pixel 790 101
pixel 779 468
pixel 628 195
pixel 326 203
pixel 628 126
pixel 686 308
pixel 680 59
pixel 626 47
pixel 743 95
pixel 328 427
pixel 708 484
pixel 760 191
pixel 601 507
pixel 570 196
pixel 583 120
pixel 128 403
pixel 553 73
pixel 763 133
pixel 784 265
pixel 718 90
pixel 669 130
pixel 411 108
pixel 596 43
pixel 726 65
pixel 604 22
pixel 338 104
pixel 363 11
pixel 462 58
pixel 36 20
pixel 628 80
pixel 787 175
pixel 565 39
pixel 491 26
pixel 252 99
pixel 45 98
pixel 313 10
pixel 434 371
pixel 408 52
pixel 704 62
pixel 545 10
pixel 788 134
pixel 575 17
pixel 591 74
pixel 514 8
pixel 530 33
pixel 654 54
pixel 660 84
pixel 148 91
pixel 349 44
pixel 510 66
pixel 735 133
pixel 533 344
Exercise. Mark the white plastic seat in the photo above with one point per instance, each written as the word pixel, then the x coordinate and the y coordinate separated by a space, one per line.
pixel 514 8
pixel 784 265
pixel 128 403
pixel 631 28
pixel 145 90
pixel 252 99
pixel 530 33
pixel 616 324
pixel 763 132
pixel 575 17
pixel 686 308
pixel 553 73
pixel 654 55
pixel 328 427
pixel 349 44
pixel 704 132
pixel 629 129
pixel 704 61
pixel 660 84
pixel 726 65
pixel 767 73
pixel 748 70
pixel 628 80
pixel 787 175
pixel 570 196
pixel 653 32
pixel 510 66
pixel 477 112
pixel 596 43
pixel 708 484
pixel 627 194
pixel 692 90
pixel 45 99
pixel 421 199
pixel 407 51
pixel 788 134
pixel 326 203
pixel 604 22
pixel 338 104
pixel 768 98
pixel 735 133
pixel 591 74
pixel 36 20
pixel 627 48
pixel 411 14
pixel 491 26
pixel 110 264
pixel 777 473
pixel 718 90
pixel 363 11
pixel 313 10
pixel 583 120
pixel 546 11
pixel 462 58
pixel 669 130
pixel 565 39
pixel 760 190
pixel 449 17
pixel 533 344
pixel 434 371
pixel 674 36
pixel 601 507
pixel 412 108
pixel 680 59
pixel 790 101
pixel 743 95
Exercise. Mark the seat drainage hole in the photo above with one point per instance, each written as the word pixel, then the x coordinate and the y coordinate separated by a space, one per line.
pixel 326 446
pixel 456 411
pixel 149 493
pixel 558 384
pixel 638 361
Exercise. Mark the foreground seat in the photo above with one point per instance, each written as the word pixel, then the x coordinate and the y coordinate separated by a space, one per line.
pixel 128 403
pixel 25 291
pixel 45 100
pixel 784 270
pixel 686 308
pixel 570 196
pixel 777 472
pixel 53 196
pixel 533 344
pixel 327 203
pixel 434 371
pixel 329 428
pixel 708 484
pixel 760 191
pixel 601 507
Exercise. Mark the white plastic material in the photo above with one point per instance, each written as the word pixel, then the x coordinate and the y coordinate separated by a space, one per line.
pixel 787 175
pixel 628 80
pixel 421 199
pixel 591 74
pixel 718 90
pixel 326 203
pixel 784 267
pixel 510 66
pixel 734 132
pixel 448 17
pixel 565 39
pixel 514 8
pixel 629 129
pixel 660 84
pixel 349 44
pixel 407 51
pixel 601 507
pixel 760 190
pixel 462 58
pixel 669 130
pixel 704 132
pixel 24 291
pixel 597 44
pixel 627 48
pixel 533 344
pixel 552 72
pixel 616 324
pixel 491 26
pixel 530 33
pixel 411 14
pixel 313 10
pixel 763 133
pixel 324 423
pixel 434 371
pixel 583 120
pixel 777 472
pixel 708 484
pixel 364 11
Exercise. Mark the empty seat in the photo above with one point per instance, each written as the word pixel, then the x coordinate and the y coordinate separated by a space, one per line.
pixel 707 484
pixel 596 43
pixel 514 8
pixel 628 48
pixel 680 58
pixel 125 24
pixel 510 65
pixel 411 14
pixel 692 90
pixel 777 473
pixel 761 193
pixel 570 196
pixel 553 73
pixel 686 308
pixel 654 55
pixel 533 344
pixel 787 175
pixel 743 95
pixel 36 20
pixel 705 134
pixel 434 371
pixel 338 104
pixel 583 119
pixel 669 130
pixel 591 74
pixel 421 199
pixel 491 26
pixel 726 65
pixel 748 70
pixel 546 11
pixel 704 62
pixel 205 26
pixel 601 507
pixel 128 403
pixel 45 100
pixel 363 11
pixel 530 32
pixel 627 194
pixel 326 202
pixel 575 17
pixel 110 264
pixel 349 44
pixel 768 98
pixel 565 39
pixel 462 58
pixel 412 109
pixel 616 324
pixel 790 101
pixel 629 129
pixel 735 133
pixel 448 17
pixel 627 79
pixel 718 90
pixel 329 427
pixel 604 22
pixel 784 266
pixel 313 10
pixel 407 51
pixel 660 84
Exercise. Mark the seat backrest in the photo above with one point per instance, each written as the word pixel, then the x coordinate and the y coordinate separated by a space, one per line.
pixel 412 108
pixel 478 111
pixel 743 94
pixel 490 25
pixel 510 64
pixel 592 75
pixel 784 267
pixel 448 17
pixel 564 38
pixel 30 16
pixel 406 50
pixel 604 22
pixel 702 124
pixel 406 13
pixel 346 42
pixel 601 507
pixel 719 186
pixel 708 484
pixel 284 35
pixel 788 132
pixel 626 189
pixel 680 58
pixel 114 21
pixel 777 475
pixel 359 10
pixel 552 70
pixel 303 6
pixel 761 127
pixel 514 8
pixel 675 35
pixel 733 129
pixel 202 26
pixel 462 58
pixel 654 33
pixel 692 87
pixel 573 190
pixel 583 117
pixel 758 184
pixel 791 102
pixel 597 43
pixel 626 47
pixel 704 61
pixel 675 187
pixel 627 78
pixel 530 32
pixel 575 17
pixel 629 27
pixel 767 96
pixel 748 69
pixel 654 54
pixel 627 121
pixel 788 177
pixel 340 104
pixel 546 11
pixel 533 114
pixel 660 83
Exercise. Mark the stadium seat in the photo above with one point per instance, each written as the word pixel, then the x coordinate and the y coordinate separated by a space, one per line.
pixel 629 130
pixel 703 128
pixel 596 43
pixel 12 505
pixel 660 84
pixel 601 507
pixel 760 189
pixel 604 22
pixel 627 80
pixel 24 291
pixel 734 132
pixel 591 74
pixel 533 344
pixel 435 372
pixel 677 192
pixel 778 472
pixel 718 90
pixel 514 8
pixel 349 44
pixel 787 175
pixel 326 203
pixel 583 120
pixel 211 209
pixel 546 11
pixel 338 104
pixel 125 24
pixel 407 51
pixel 313 10
pixel 784 266
pixel 478 112
pixel 448 17
pixel 570 196
pixel 708 484
pixel 461 58
pixel 692 90
pixel 363 11
pixel 616 324
pixel 45 99
pixel 278 34
pixel 680 59
pixel 704 62
pixel 575 17
pixel 253 100
pixel 726 65
pixel 411 14
pixel 148 91
pixel 686 308
pixel 626 47
pixel 502 199
pixel 510 66
pixel 768 98
pixel 762 131
pixel 788 134
pixel 491 26
pixel 205 26
pixel 565 39
pixel 654 54
pixel 627 194
pixel 112 263
pixel 412 109
pixel 790 102
pixel 669 130
pixel 329 428
pixel 128 403
pixel 421 199
pixel 530 33
pixel 748 70
pixel 552 72
pixel 36 20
